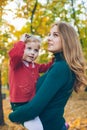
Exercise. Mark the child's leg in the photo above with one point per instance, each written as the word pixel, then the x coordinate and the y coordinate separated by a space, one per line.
pixel 14 106
pixel 34 124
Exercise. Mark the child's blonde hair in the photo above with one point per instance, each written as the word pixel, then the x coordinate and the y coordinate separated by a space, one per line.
pixel 72 52
pixel 33 38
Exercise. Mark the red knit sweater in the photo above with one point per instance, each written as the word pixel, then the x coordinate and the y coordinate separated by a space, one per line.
pixel 22 78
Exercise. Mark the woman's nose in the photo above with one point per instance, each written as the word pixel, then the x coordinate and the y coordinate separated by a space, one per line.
pixel 49 38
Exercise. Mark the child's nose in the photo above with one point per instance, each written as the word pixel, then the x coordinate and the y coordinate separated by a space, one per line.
pixel 32 52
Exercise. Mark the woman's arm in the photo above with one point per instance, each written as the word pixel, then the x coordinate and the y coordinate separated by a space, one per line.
pixel 52 83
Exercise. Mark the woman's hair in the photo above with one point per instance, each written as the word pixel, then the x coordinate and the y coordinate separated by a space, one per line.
pixel 72 52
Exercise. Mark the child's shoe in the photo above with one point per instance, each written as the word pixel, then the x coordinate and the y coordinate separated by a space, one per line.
pixel 67 125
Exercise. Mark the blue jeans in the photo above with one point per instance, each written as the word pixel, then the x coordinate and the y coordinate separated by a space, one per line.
pixel 64 127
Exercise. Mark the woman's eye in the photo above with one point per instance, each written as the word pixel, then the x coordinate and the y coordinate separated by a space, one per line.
pixel 55 34
pixel 49 34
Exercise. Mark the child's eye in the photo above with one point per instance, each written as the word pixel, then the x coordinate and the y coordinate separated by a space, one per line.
pixel 29 48
pixel 36 50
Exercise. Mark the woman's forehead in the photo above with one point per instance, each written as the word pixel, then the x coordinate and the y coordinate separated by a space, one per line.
pixel 54 29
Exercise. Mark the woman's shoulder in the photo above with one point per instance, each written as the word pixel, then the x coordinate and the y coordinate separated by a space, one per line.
pixel 60 69
pixel 61 65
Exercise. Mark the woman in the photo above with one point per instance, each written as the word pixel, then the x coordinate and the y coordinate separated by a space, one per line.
pixel 57 84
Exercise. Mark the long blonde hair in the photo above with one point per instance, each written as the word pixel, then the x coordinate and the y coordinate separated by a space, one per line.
pixel 72 52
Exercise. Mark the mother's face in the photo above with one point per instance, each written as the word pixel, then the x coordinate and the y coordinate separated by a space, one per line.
pixel 54 40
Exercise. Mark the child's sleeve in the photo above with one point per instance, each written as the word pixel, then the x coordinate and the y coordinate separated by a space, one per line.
pixel 46 66
pixel 16 54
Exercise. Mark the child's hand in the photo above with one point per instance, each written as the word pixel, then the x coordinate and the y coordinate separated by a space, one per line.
pixel 24 37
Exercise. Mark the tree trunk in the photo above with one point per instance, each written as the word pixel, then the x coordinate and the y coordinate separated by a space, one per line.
pixel 32 16
pixel 1 105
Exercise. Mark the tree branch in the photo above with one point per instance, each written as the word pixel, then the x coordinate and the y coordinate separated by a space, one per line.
pixel 32 16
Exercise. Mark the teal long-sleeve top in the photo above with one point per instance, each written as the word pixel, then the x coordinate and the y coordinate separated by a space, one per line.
pixel 53 89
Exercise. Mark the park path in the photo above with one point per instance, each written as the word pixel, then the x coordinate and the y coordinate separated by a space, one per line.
pixel 76 111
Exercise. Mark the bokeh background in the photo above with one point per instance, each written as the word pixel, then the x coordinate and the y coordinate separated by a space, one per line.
pixel 35 17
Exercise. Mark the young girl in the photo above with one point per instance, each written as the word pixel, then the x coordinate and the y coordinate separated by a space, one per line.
pixel 56 85
pixel 24 72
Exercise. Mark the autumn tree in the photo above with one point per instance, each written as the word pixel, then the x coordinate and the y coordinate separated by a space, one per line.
pixel 3 52
pixel 38 18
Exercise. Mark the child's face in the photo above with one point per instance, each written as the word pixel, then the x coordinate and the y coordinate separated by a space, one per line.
pixel 54 40
pixel 31 51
